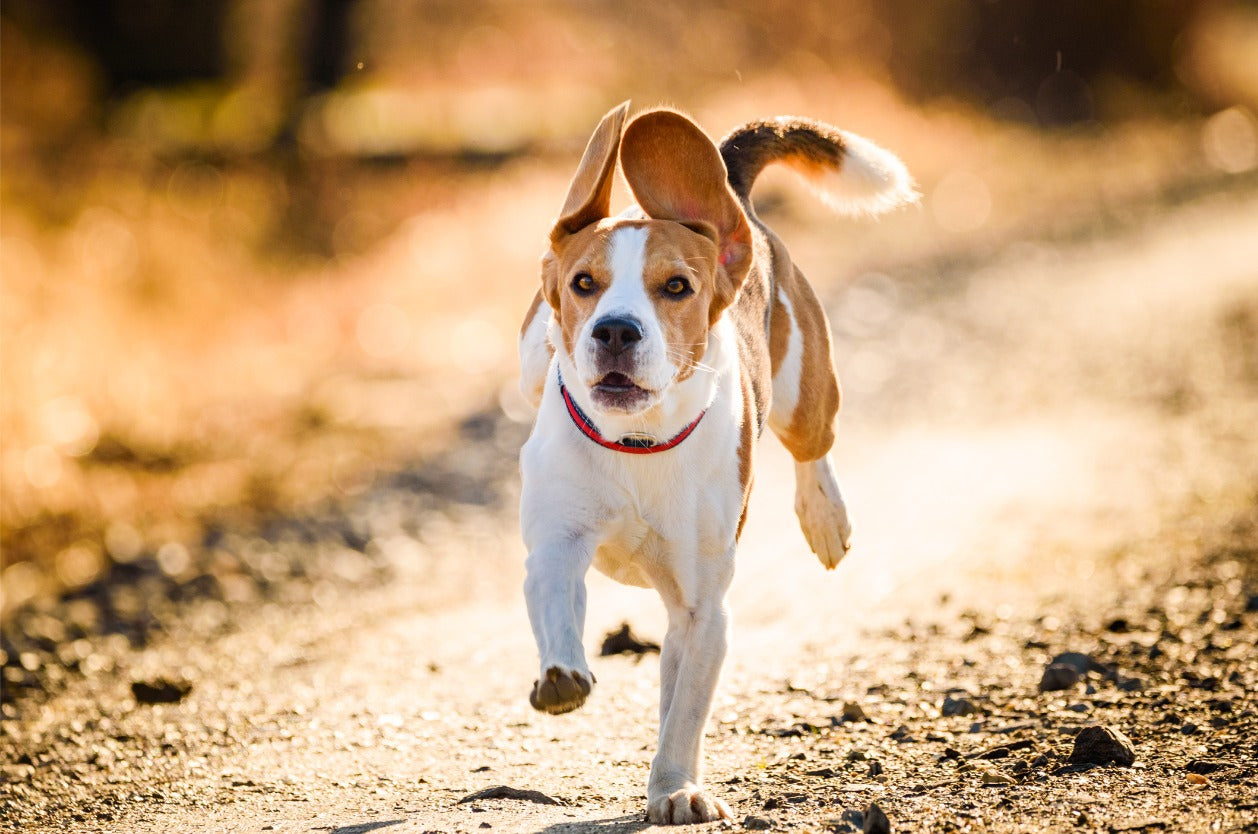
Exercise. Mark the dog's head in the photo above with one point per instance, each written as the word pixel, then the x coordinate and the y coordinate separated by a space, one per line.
pixel 635 296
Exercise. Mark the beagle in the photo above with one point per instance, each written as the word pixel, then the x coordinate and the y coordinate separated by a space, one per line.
pixel 661 343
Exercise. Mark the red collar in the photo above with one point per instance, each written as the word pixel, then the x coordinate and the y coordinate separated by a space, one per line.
pixel 630 446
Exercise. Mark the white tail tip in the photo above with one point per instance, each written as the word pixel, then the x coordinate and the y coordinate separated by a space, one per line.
pixel 872 180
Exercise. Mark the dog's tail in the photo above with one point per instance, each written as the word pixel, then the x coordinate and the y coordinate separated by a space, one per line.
pixel 848 172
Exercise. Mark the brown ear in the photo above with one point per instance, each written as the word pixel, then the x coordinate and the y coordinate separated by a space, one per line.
pixel 550 279
pixel 590 194
pixel 676 173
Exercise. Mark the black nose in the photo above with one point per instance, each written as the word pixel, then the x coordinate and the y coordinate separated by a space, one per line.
pixel 617 334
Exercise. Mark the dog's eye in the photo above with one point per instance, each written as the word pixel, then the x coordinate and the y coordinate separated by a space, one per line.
pixel 583 283
pixel 677 286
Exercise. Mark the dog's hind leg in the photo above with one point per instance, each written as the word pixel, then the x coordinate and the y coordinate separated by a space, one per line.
pixel 805 405
pixel 821 510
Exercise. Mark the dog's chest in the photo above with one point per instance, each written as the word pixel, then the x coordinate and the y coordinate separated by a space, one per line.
pixel 639 517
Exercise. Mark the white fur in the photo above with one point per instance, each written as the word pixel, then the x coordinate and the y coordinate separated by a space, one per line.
pixel 630 517
pixel 787 379
pixel 822 511
pixel 871 180
pixel 535 355
pixel 669 520
pixel 626 296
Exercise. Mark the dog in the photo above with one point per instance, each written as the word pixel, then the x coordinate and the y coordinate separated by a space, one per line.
pixel 662 341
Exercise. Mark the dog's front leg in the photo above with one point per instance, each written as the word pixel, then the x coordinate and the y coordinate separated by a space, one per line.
pixel 690 666
pixel 554 589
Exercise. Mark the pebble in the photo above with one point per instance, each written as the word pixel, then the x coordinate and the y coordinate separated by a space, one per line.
pixel 876 821
pixel 957 706
pixel 854 712
pixel 624 641
pixel 1203 766
pixel 992 776
pixel 160 691
pixel 757 824
pixel 508 792
pixel 1059 676
pixel 1079 661
pixel 851 822
pixel 1098 744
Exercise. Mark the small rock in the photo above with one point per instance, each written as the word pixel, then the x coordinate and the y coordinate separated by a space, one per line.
pixel 507 792
pixel 875 767
pixel 1204 766
pixel 854 712
pixel 902 733
pixel 624 641
pixel 851 822
pixel 1130 684
pixel 992 776
pixel 757 824
pixel 876 821
pixel 1059 676
pixel 1100 745
pixel 1197 779
pixel 1081 662
pixel 856 755
pixel 957 706
pixel 160 691
pixel 1188 728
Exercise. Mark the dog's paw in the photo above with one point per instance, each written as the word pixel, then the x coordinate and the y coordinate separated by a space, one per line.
pixel 561 690
pixel 691 804
pixel 822 512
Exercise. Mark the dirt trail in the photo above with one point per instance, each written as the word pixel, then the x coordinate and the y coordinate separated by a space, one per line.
pixel 1033 449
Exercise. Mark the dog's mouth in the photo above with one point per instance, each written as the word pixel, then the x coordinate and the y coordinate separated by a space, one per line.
pixel 617 392
pixel 615 382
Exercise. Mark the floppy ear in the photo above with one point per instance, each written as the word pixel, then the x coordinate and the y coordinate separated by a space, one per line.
pixel 589 194
pixel 676 173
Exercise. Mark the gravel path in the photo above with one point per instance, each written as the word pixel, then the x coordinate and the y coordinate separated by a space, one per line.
pixel 1052 464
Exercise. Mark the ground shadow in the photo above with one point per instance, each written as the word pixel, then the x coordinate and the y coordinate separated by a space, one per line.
pixel 363 828
pixel 626 824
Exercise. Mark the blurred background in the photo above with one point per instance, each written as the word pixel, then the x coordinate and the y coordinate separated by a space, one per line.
pixel 261 254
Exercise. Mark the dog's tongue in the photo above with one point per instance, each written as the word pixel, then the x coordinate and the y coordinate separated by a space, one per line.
pixel 616 380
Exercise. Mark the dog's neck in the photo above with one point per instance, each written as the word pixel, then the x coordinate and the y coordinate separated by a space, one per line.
pixel 684 402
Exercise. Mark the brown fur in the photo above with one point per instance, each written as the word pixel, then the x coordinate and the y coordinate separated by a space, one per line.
pixel 701 215
pixel 676 174
pixel 809 433
pixel 801 143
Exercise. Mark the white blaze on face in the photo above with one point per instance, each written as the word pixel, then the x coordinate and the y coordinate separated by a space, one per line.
pixel 626 297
